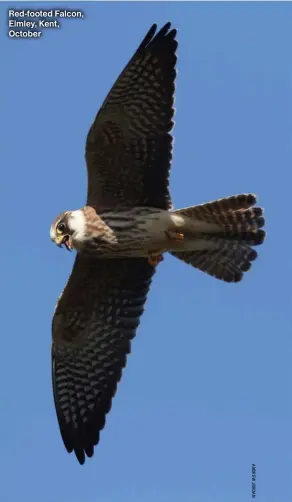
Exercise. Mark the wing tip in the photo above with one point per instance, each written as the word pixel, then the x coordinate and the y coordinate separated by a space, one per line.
pixel 152 36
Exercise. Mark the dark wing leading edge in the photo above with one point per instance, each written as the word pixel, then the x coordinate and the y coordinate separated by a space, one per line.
pixel 129 145
pixel 95 319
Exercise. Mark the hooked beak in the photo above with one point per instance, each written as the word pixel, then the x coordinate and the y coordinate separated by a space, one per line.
pixel 66 240
pixel 68 243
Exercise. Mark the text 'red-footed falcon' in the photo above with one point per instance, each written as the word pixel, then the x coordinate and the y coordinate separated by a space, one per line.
pixel 121 235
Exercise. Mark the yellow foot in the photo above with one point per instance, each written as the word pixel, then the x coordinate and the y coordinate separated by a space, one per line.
pixel 154 259
pixel 175 236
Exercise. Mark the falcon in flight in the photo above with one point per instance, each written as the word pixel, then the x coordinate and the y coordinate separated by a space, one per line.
pixel 121 234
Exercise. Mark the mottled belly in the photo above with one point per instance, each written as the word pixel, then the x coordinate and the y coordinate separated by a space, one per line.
pixel 131 236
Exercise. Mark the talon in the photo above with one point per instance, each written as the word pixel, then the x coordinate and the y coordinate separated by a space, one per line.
pixel 154 259
pixel 175 236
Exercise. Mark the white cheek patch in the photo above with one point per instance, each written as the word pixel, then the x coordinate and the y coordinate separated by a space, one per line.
pixel 77 224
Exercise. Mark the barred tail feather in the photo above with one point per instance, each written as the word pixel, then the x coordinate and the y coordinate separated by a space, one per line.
pixel 239 227
pixel 234 216
pixel 228 262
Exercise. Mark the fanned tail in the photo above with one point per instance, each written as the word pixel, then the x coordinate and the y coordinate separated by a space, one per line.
pixel 228 252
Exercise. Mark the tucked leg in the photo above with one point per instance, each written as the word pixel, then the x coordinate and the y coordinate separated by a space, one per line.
pixel 154 259
pixel 175 236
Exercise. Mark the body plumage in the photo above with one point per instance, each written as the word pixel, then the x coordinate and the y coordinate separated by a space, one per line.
pixel 145 231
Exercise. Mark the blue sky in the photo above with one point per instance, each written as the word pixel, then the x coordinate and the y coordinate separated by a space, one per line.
pixel 207 389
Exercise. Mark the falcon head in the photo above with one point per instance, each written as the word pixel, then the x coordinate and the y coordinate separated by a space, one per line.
pixel 68 229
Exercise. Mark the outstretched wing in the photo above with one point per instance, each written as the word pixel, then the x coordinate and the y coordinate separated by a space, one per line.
pixel 129 145
pixel 95 319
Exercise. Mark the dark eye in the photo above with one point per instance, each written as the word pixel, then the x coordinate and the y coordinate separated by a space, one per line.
pixel 61 227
